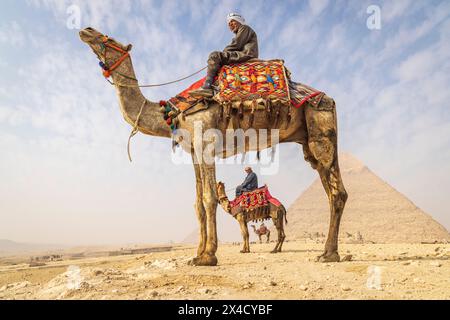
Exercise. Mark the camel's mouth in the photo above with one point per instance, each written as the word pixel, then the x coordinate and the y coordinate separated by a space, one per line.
pixel 87 35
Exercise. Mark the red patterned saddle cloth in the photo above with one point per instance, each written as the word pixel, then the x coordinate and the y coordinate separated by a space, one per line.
pixel 255 199
pixel 253 80
pixel 249 81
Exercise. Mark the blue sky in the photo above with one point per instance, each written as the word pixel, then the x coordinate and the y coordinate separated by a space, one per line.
pixel 64 169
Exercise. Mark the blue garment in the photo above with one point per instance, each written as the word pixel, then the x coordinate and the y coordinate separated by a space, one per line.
pixel 250 183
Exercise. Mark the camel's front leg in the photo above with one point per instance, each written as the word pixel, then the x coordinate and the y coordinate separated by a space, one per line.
pixel 244 232
pixel 210 201
pixel 199 209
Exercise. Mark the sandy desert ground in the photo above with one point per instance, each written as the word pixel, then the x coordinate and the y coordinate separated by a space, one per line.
pixel 377 271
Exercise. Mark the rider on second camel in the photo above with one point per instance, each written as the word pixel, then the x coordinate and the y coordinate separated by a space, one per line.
pixel 242 48
pixel 250 183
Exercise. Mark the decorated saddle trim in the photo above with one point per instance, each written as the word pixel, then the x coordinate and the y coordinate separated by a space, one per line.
pixel 252 200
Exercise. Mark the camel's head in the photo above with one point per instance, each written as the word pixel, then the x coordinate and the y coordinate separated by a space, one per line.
pixel 96 40
pixel 220 188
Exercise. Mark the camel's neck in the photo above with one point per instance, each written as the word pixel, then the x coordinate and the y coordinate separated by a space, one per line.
pixel 131 100
pixel 224 202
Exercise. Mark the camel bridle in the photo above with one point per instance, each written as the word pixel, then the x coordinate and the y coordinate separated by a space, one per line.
pixel 107 70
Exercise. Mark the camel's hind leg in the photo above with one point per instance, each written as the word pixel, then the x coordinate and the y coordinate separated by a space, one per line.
pixel 278 221
pixel 268 236
pixel 321 152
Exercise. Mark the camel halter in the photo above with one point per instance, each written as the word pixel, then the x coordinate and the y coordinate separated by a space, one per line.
pixel 106 69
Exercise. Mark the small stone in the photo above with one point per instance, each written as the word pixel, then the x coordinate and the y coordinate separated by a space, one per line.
pixel 406 263
pixel 179 289
pixel 97 272
pixel 345 288
pixel 273 283
pixel 115 291
pixel 303 288
pixel 347 258
pixel 247 285
pixel 154 293
pixel 435 264
pixel 204 291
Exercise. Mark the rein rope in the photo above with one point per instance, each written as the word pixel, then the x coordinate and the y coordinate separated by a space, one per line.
pixel 135 128
pixel 151 85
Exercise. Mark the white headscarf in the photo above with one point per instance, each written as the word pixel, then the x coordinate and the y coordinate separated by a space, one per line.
pixel 235 16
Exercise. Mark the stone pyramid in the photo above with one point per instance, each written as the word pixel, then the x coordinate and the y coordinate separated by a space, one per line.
pixel 375 211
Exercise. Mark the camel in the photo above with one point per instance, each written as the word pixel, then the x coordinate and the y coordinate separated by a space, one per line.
pixel 276 213
pixel 313 127
pixel 260 233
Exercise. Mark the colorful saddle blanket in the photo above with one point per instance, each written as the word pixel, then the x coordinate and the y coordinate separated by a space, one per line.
pixel 253 80
pixel 249 81
pixel 252 200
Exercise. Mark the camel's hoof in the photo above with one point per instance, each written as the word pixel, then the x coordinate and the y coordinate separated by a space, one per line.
pixel 329 257
pixel 245 251
pixel 203 260
pixel 274 251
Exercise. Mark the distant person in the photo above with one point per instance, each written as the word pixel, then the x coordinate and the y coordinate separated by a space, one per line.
pixel 262 228
pixel 250 183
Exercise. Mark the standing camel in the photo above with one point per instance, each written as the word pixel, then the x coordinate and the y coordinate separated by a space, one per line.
pixel 314 127
pixel 276 213
pixel 259 233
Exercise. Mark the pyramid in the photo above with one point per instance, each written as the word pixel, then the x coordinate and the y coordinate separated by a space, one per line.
pixel 375 211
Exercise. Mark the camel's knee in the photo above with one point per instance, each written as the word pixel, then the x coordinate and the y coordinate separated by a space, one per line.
pixel 308 156
pixel 323 150
pixel 342 197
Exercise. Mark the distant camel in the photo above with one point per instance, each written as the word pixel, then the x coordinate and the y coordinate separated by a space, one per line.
pixel 261 232
pixel 276 213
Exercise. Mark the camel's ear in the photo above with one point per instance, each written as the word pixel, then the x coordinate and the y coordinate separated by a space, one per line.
pixel 128 47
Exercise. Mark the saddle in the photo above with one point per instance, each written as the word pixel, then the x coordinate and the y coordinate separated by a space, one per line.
pixel 253 199
pixel 255 204
pixel 252 85
pixel 249 82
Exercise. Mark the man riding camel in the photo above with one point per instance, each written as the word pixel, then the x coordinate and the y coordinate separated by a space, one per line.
pixel 242 48
pixel 250 183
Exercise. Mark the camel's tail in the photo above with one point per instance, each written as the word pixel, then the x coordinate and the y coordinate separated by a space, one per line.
pixel 284 213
